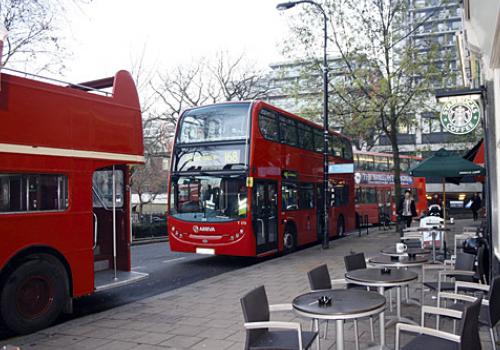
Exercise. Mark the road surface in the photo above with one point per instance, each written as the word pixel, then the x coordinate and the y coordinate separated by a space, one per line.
pixel 167 271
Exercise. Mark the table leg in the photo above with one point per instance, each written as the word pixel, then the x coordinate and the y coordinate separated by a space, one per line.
pixel 433 234
pixel 316 329
pixel 340 334
pixel 382 320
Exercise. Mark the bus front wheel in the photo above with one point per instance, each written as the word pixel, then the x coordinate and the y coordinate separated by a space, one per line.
pixel 33 296
pixel 289 241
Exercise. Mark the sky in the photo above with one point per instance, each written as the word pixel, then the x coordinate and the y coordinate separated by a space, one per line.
pixel 105 36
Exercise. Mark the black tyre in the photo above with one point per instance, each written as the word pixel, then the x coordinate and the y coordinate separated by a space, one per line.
pixel 289 239
pixel 340 227
pixel 33 296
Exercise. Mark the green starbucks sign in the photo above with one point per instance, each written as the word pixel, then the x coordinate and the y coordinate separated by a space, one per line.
pixel 460 117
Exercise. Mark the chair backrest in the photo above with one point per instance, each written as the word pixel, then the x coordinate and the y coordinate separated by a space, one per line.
pixel 355 262
pixel 464 262
pixel 469 327
pixel 319 278
pixel 255 309
pixel 494 300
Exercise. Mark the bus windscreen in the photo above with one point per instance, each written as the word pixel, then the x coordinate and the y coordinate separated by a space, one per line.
pixel 215 123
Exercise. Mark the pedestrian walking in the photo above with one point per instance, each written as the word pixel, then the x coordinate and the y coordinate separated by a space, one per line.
pixel 475 205
pixel 407 210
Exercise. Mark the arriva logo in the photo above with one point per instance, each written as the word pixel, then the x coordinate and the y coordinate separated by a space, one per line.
pixel 197 229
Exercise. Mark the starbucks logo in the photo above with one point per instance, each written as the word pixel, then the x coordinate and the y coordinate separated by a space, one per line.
pixel 460 117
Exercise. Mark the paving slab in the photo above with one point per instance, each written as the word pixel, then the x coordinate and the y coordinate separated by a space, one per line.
pixel 207 314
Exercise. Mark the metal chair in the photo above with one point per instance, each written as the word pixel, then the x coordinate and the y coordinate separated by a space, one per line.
pixel 490 308
pixel 430 338
pixel 357 261
pixel 462 271
pixel 319 279
pixel 259 336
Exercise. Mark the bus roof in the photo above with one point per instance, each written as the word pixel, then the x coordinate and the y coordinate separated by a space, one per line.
pixel 74 120
pixel 277 109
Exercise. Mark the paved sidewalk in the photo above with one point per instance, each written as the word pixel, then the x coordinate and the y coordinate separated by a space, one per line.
pixel 207 314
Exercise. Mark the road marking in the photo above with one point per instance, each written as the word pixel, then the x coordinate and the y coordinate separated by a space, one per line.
pixel 170 260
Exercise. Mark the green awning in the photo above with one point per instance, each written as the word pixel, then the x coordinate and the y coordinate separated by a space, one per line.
pixel 445 164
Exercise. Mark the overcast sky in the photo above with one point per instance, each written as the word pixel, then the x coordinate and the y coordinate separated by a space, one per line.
pixel 107 35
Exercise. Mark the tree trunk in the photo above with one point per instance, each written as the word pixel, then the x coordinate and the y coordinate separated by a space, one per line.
pixel 397 164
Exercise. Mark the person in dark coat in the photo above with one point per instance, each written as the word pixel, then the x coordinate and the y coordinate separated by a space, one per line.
pixel 407 209
pixel 475 206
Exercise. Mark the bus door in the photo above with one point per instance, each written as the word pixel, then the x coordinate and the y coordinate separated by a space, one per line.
pixel 265 215
pixel 111 229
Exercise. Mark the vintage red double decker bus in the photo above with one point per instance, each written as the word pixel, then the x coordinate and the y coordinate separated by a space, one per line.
pixel 374 186
pixel 246 180
pixel 65 152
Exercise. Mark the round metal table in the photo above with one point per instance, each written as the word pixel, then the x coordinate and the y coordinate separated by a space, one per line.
pixel 391 251
pixel 345 305
pixel 404 262
pixel 376 278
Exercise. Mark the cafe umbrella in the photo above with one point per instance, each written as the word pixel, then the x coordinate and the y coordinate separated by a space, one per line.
pixel 447 166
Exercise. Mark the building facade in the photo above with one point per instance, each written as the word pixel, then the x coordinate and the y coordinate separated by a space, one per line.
pixel 481 54
pixel 429 22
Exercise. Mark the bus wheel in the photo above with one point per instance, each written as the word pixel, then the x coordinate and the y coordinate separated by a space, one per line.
pixel 33 296
pixel 340 227
pixel 289 240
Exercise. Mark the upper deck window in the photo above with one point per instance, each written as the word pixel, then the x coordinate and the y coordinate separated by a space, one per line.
pixel 33 192
pixel 215 123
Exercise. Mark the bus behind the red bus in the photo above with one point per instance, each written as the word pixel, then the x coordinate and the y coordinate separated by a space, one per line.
pixel 246 180
pixel 64 193
pixel 374 187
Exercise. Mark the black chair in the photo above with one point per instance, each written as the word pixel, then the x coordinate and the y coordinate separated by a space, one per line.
pixel 490 308
pixel 319 279
pixel 357 261
pixel 430 338
pixel 259 336
pixel 462 271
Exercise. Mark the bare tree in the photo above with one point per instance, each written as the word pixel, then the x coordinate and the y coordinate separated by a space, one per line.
pixel 238 81
pixel 148 181
pixel 383 80
pixel 34 33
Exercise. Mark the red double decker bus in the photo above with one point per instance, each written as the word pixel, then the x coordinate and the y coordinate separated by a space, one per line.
pixel 374 187
pixel 246 180
pixel 65 152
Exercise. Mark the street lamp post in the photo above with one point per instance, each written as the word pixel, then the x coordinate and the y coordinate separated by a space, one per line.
pixel 286 6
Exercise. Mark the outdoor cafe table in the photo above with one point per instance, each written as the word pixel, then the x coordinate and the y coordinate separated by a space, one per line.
pixel 433 230
pixel 391 251
pixel 345 305
pixel 376 278
pixel 403 262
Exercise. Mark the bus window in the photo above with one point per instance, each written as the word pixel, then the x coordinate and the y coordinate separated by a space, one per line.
pixel 306 139
pixel 268 125
pixel 347 154
pixel 290 197
pixel 288 131
pixel 209 198
pixel 306 196
pixel 381 163
pixel 33 192
pixel 371 195
pixel 214 123
pixel 318 140
pixel 339 195
pixel 336 146
pixel 102 188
